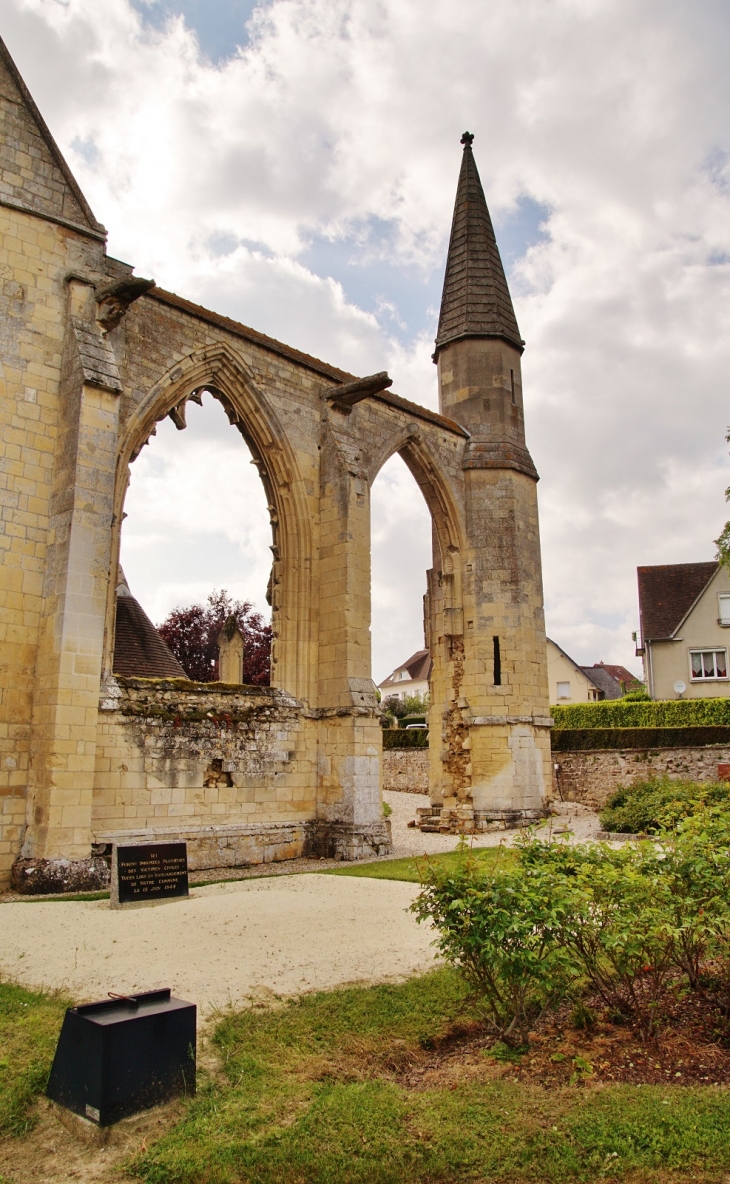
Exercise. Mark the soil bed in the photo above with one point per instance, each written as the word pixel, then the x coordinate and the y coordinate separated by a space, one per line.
pixel 692 1049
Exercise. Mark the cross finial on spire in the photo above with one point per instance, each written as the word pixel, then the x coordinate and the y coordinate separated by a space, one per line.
pixel 467 139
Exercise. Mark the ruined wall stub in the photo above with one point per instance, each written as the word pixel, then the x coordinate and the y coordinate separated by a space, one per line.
pixel 92 358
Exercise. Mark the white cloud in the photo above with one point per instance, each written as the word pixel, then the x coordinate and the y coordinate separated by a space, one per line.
pixel 196 516
pixel 344 113
pixel 401 544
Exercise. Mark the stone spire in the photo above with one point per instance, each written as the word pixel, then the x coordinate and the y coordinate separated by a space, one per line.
pixel 476 300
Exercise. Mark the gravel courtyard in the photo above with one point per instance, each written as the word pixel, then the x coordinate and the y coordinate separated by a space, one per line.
pixel 232 941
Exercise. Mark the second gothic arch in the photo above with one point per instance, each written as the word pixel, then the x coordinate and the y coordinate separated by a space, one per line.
pixel 428 473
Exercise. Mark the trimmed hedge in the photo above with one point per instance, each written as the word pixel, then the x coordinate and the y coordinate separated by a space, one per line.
pixel 667 713
pixel 574 739
pixel 400 738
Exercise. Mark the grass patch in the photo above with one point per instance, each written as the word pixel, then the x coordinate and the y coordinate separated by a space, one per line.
pixel 69 898
pixel 326 1088
pixel 410 869
pixel 29 1026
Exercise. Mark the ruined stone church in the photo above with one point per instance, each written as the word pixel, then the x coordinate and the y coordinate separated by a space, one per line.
pixel 91 358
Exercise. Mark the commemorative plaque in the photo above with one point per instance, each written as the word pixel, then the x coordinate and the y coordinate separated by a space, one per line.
pixel 149 872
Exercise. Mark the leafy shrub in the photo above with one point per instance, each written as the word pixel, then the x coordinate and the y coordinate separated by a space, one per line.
pixel 398 708
pixel 695 864
pixel 627 925
pixel 617 929
pixel 649 806
pixel 630 713
pixel 501 930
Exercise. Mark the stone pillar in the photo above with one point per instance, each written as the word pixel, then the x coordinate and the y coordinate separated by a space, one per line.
pixel 68 668
pixel 231 647
pixel 350 776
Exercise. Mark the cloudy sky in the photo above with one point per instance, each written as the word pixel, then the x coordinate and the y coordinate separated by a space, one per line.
pixel 293 163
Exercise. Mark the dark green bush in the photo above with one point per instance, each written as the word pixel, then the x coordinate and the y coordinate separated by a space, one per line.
pixel 649 806
pixel 627 713
pixel 582 739
pixel 400 738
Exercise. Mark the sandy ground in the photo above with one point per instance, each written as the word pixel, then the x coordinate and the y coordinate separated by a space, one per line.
pixel 222 945
pixel 231 941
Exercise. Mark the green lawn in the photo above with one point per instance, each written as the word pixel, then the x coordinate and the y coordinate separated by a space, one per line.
pixel 311 1096
pixel 408 869
pixel 311 1092
pixel 29 1027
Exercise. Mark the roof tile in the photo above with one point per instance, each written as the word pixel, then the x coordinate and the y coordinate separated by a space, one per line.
pixel 667 593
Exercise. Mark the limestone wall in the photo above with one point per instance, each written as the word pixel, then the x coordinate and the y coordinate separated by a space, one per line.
pixel 229 769
pixel 34 256
pixel 406 769
pixel 592 776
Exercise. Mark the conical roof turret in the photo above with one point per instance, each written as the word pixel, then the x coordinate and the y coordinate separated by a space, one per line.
pixel 476 300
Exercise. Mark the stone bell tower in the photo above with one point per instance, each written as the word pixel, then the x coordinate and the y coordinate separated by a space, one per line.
pixel 490 664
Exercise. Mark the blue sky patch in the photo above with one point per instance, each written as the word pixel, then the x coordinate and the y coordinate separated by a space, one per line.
pixel 403 297
pixel 220 25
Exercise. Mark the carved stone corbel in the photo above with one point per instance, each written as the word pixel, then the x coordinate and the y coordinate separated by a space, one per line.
pixel 114 299
pixel 344 397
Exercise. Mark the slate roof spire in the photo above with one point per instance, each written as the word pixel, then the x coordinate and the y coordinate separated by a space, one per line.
pixel 476 300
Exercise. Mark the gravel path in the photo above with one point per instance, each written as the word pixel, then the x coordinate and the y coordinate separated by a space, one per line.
pixel 579 820
pixel 224 944
pixel 231 941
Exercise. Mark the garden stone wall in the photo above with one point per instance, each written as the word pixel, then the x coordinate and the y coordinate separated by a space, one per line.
pixel 406 769
pixel 591 777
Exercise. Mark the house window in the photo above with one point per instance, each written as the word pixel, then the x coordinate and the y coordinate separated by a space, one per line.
pixel 724 603
pixel 708 664
pixel 563 690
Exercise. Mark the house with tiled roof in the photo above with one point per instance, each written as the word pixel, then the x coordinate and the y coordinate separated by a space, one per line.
pixel 625 679
pixel 684 614
pixel 409 679
pixel 571 683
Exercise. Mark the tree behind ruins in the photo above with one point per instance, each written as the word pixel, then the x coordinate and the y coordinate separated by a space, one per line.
pixel 192 635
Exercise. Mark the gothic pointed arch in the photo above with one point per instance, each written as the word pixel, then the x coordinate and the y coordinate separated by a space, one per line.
pixel 431 478
pixel 220 370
